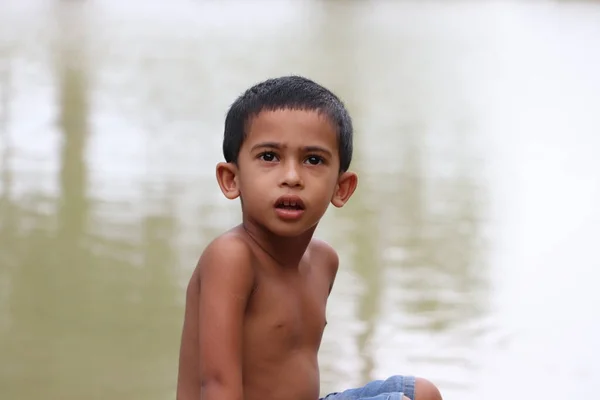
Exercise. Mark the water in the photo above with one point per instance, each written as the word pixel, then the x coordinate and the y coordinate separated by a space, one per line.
pixel 469 253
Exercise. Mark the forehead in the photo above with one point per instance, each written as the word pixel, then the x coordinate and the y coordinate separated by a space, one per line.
pixel 293 128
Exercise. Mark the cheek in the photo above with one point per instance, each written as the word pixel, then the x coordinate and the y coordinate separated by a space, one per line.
pixel 253 184
pixel 327 188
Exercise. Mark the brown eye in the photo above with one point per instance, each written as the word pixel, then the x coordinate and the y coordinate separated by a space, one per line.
pixel 314 160
pixel 267 156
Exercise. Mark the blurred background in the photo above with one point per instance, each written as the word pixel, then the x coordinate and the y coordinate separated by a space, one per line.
pixel 469 254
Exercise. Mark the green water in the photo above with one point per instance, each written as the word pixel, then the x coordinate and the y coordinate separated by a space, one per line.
pixel 469 252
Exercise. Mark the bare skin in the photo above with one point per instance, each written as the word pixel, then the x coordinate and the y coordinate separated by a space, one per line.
pixel 255 304
pixel 255 309
pixel 282 312
pixel 278 348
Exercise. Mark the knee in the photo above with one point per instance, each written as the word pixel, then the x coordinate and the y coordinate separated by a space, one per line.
pixel 425 390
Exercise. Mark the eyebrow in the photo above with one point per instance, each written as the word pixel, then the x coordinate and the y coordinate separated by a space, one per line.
pixel 269 145
pixel 317 149
pixel 274 145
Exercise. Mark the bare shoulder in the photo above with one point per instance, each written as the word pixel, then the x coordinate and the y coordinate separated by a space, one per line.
pixel 229 245
pixel 228 256
pixel 323 253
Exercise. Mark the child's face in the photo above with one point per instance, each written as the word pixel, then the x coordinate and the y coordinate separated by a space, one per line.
pixel 288 171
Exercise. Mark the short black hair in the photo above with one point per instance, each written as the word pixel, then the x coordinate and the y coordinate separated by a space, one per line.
pixel 288 92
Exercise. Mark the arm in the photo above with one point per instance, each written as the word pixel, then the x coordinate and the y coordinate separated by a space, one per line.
pixel 226 281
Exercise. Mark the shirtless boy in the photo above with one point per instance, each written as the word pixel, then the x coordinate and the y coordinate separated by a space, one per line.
pixel 255 304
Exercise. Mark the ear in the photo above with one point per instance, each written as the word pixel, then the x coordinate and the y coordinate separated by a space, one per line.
pixel 346 186
pixel 228 180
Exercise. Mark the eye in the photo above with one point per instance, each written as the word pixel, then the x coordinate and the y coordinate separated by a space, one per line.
pixel 315 160
pixel 267 156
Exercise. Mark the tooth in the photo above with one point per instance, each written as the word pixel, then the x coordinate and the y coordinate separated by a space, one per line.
pixel 286 203
pixel 293 203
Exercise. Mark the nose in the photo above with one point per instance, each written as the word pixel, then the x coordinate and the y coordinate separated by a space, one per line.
pixel 291 176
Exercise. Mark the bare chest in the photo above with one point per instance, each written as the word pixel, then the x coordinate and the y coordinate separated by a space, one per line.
pixel 287 312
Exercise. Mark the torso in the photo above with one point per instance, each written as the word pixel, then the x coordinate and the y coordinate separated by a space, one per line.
pixel 284 323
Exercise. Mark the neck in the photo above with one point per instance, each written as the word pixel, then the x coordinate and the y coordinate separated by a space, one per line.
pixel 286 251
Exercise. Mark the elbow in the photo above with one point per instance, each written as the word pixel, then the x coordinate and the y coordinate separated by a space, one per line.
pixel 217 388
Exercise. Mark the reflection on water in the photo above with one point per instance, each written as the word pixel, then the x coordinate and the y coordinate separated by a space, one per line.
pixel 439 257
pixel 85 319
pixel 110 124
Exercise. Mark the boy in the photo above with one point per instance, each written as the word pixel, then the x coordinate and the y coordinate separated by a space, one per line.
pixel 255 304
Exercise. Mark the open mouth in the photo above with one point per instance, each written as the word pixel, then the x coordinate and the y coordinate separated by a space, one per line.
pixel 289 203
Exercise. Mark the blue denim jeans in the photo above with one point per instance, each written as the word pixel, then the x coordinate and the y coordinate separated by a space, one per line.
pixel 392 388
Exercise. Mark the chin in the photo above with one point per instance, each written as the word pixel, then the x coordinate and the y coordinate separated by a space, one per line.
pixel 290 230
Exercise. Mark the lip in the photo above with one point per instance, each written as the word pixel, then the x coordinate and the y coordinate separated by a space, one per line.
pixel 289 214
pixel 290 198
